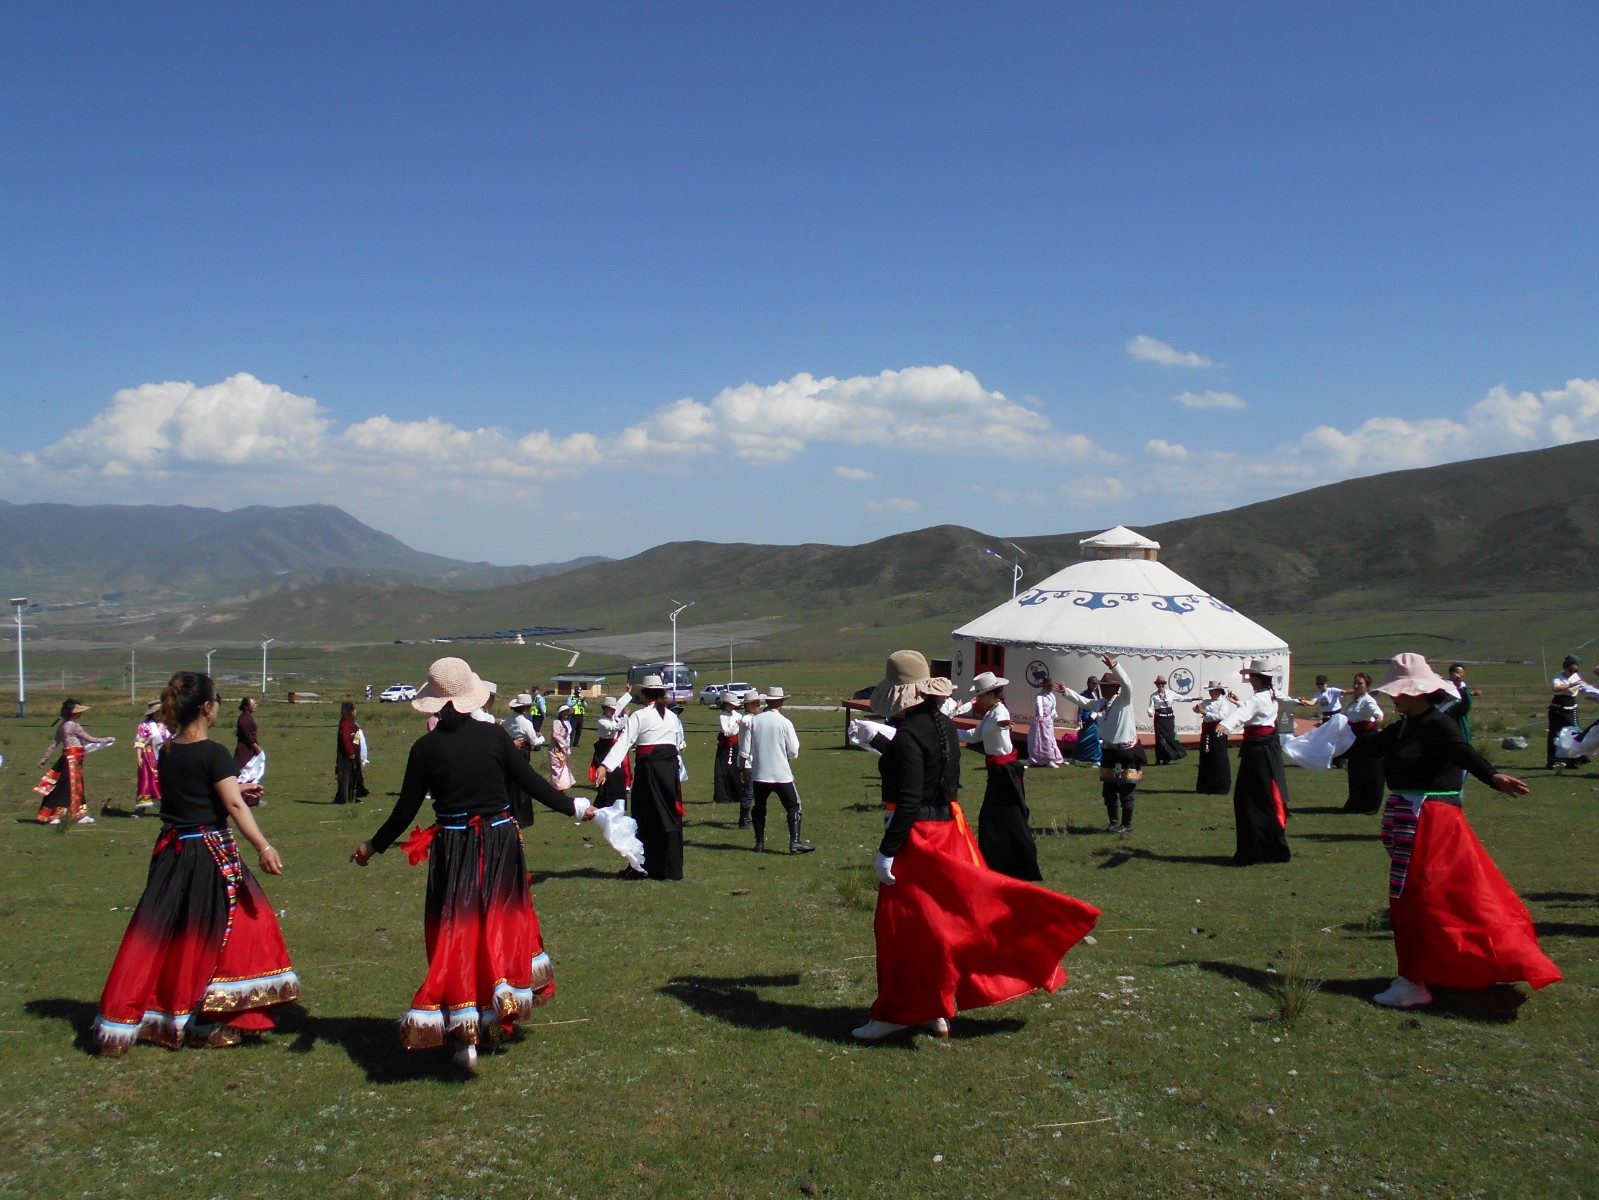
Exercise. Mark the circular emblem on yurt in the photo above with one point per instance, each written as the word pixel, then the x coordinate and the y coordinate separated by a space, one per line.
pixel 1037 672
pixel 1182 681
pixel 960 663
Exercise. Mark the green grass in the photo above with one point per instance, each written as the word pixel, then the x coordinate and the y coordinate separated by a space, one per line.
pixel 698 1044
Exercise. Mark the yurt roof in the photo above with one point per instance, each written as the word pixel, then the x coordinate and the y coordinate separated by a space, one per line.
pixel 1120 538
pixel 1123 606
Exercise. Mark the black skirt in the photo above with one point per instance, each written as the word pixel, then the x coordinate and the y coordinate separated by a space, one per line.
pixel 1215 776
pixel 1004 834
pixel 1167 748
pixel 1260 803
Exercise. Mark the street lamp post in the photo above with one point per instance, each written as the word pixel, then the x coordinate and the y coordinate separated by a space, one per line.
pixel 20 603
pixel 264 645
pixel 1015 564
pixel 208 655
pixel 672 616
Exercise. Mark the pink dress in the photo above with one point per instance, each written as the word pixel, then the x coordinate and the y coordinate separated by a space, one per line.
pixel 1042 749
pixel 147 739
pixel 560 754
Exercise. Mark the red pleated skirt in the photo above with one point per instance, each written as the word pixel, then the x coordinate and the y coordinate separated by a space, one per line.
pixel 487 966
pixel 953 935
pixel 1457 923
pixel 203 960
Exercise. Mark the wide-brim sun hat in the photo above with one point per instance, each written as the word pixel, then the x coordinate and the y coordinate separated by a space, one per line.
pixel 451 681
pixel 752 697
pixel 79 708
pixel 987 681
pixel 522 700
pixel 732 698
pixel 1258 666
pixel 152 708
pixel 652 683
pixel 1411 674
pixel 907 681
pixel 774 695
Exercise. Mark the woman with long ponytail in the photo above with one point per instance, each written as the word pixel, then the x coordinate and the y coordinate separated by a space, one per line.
pixel 203 960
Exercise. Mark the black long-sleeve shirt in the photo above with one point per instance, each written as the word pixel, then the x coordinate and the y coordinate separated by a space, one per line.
pixel 917 771
pixel 471 767
pixel 1424 753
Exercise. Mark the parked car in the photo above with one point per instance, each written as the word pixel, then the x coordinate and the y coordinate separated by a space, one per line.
pixel 397 691
pixel 711 697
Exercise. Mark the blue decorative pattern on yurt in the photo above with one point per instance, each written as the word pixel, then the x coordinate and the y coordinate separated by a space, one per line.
pixel 1156 603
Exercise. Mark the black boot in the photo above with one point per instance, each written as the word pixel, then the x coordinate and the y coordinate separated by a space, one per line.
pixel 1108 790
pixel 796 845
pixel 1127 807
pixel 760 836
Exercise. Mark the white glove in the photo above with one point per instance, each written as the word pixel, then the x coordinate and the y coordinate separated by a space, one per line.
pixel 884 866
pixel 580 808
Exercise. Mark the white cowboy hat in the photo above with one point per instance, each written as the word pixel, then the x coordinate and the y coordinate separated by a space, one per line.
pixel 775 696
pixel 1258 666
pixel 451 681
pixel 522 700
pixel 652 683
pixel 987 681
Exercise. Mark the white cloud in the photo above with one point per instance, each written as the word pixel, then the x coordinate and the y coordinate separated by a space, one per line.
pixel 1160 448
pixel 161 427
pixel 894 504
pixel 1209 400
pixel 1152 350
pixel 853 473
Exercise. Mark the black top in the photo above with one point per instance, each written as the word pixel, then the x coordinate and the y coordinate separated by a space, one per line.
pixel 470 767
pixel 190 772
pixel 1424 753
pixel 919 768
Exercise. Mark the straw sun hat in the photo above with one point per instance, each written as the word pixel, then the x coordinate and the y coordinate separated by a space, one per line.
pixel 451 681
pixel 907 681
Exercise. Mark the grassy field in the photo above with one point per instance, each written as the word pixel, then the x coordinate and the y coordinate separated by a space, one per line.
pixel 699 1043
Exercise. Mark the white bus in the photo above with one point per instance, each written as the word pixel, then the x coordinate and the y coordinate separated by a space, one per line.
pixel 679 681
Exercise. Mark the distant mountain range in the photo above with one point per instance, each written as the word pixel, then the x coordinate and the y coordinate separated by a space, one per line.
pixel 63 553
pixel 1491 527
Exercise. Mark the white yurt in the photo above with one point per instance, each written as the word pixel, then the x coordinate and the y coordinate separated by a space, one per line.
pixel 1120 599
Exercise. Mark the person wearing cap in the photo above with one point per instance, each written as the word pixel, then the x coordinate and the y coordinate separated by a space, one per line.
pixel 773 744
pixel 1215 777
pixel 539 707
pixel 1328 700
pixel 746 797
pixel 655 736
pixel 561 747
pixel 1042 748
pixel 1456 922
pixel 203 961
pixel 147 739
pixel 62 785
pixel 1121 758
pixel 1004 830
pixel 487 966
pixel 1568 685
pixel 1260 796
pixel 523 736
pixel 1162 709
pixel 951 934
pixel 606 728
pixel 727 780
pixel 1364 775
pixel 580 708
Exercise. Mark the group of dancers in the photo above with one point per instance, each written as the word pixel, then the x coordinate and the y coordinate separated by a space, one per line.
pixel 203 961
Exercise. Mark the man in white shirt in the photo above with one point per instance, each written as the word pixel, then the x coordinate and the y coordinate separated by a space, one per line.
pixel 772 745
pixel 1122 759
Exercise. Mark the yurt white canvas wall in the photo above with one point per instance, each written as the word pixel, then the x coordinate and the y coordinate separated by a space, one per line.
pixel 1120 599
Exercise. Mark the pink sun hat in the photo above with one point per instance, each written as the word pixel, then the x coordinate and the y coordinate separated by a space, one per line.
pixel 451 681
pixel 1410 674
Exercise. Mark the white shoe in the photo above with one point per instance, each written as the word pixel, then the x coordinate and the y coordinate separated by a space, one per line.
pixel 85 819
pixel 1402 993
pixel 874 1030
pixel 938 1027
pixel 53 821
pixel 466 1058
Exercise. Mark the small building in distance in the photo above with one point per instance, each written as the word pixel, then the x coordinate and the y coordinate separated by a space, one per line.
pixel 1120 599
pixel 589 687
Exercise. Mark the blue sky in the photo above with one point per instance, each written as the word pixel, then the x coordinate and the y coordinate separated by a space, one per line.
pixel 545 280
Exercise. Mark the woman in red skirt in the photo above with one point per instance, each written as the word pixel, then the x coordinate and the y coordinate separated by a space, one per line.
pixel 1457 923
pixel 487 967
pixel 203 960
pixel 62 785
pixel 951 934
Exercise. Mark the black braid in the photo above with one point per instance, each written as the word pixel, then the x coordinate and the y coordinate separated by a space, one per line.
pixel 943 747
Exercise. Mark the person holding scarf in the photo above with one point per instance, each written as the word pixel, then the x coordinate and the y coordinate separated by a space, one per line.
pixel 656 735
pixel 606 728
pixel 1004 831
pixel 62 785
pixel 1260 797
pixel 487 966
pixel 1456 922
pixel 1121 758
pixel 951 934
pixel 203 961
pixel 1364 775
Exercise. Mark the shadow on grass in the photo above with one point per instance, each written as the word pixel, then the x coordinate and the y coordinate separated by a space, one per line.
pixel 737 1001
pixel 1121 857
pixel 1327 810
pixel 585 873
pixel 1495 1005
pixel 371 1044
pixel 79 1014
pixel 1565 929
pixel 1373 836
pixel 1563 897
